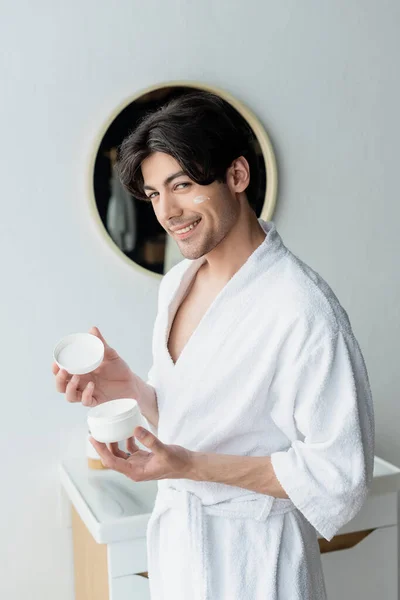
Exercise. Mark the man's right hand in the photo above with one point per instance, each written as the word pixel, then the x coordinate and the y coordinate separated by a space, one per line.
pixel 111 380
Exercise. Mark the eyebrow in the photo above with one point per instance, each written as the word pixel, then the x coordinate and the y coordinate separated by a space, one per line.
pixel 167 180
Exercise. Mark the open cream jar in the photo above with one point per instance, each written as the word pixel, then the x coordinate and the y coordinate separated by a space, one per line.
pixel 114 421
pixel 79 353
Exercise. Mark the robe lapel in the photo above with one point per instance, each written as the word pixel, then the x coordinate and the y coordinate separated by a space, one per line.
pixel 228 308
pixel 172 308
pixel 212 331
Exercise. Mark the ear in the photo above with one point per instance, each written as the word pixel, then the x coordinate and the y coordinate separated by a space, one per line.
pixel 238 175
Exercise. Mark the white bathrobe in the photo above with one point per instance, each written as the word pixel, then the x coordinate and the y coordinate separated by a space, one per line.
pixel 273 369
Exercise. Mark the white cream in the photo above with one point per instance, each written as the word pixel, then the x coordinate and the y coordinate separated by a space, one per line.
pixel 75 355
pixel 79 353
pixel 200 199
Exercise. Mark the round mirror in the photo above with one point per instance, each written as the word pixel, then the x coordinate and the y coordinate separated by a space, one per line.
pixel 129 224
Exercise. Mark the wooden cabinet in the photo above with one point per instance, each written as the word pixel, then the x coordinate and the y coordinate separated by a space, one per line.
pixel 90 563
pixel 97 568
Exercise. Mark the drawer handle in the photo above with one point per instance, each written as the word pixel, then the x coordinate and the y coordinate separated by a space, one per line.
pixel 145 574
pixel 343 541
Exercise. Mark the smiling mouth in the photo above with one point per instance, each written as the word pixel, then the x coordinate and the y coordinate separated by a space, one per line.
pixel 187 230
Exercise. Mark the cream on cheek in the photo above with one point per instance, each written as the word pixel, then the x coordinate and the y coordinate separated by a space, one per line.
pixel 200 199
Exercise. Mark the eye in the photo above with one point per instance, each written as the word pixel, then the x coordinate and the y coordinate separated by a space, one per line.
pixel 185 184
pixel 151 196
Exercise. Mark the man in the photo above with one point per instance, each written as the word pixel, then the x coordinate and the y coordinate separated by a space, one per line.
pixel 259 410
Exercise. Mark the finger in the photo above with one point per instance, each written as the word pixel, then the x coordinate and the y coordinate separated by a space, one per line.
pixel 149 440
pixel 107 457
pixel 87 398
pixel 109 353
pixel 61 380
pixel 113 447
pixel 131 445
pixel 71 392
pixel 55 368
pixel 116 450
pixel 96 331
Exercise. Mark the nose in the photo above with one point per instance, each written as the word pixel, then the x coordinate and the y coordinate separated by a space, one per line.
pixel 168 207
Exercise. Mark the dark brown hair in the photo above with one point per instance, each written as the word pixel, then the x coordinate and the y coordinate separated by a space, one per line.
pixel 204 134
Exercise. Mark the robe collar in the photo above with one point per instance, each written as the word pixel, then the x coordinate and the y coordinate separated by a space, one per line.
pixel 266 254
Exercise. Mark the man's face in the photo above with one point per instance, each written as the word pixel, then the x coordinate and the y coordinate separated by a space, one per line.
pixel 172 192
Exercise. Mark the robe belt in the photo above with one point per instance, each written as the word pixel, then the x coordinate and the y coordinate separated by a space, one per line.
pixel 250 506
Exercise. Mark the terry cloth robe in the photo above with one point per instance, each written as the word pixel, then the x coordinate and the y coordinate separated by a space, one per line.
pixel 273 369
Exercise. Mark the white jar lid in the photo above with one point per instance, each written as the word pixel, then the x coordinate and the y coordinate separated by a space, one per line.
pixel 79 353
pixel 114 410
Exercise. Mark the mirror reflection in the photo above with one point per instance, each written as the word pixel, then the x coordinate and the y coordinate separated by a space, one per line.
pixel 128 220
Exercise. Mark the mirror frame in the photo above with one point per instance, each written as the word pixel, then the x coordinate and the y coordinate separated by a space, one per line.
pixel 258 129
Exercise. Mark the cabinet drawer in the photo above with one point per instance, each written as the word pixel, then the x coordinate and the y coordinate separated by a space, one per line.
pixel 367 570
pixel 132 587
pixel 377 511
pixel 127 558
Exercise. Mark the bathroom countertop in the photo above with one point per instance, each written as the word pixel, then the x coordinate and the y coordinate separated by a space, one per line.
pixel 115 508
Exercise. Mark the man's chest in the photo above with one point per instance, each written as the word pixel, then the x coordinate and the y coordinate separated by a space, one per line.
pixel 190 312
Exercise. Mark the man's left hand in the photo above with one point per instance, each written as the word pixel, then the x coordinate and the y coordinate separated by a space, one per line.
pixel 163 461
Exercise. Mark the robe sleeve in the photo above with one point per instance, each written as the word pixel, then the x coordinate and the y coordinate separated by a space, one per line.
pixel 328 471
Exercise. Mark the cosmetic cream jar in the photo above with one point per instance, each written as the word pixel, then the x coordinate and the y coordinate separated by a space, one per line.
pixel 79 353
pixel 114 421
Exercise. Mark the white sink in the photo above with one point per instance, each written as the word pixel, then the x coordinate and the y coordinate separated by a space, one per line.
pixel 113 507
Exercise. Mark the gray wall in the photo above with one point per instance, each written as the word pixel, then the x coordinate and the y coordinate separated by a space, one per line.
pixel 323 78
